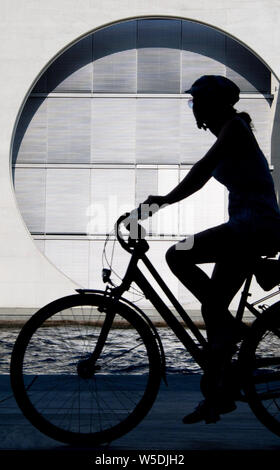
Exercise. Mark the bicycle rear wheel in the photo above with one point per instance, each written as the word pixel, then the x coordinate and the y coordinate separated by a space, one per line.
pixel 74 407
pixel 260 353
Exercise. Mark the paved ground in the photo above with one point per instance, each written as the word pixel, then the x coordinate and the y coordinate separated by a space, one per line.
pixel 162 432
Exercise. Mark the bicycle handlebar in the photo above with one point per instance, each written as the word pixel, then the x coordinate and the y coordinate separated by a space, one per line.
pixel 136 231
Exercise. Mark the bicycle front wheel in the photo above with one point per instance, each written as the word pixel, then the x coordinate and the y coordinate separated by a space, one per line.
pixel 74 405
pixel 260 354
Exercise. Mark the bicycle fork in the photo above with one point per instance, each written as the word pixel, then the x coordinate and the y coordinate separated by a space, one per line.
pixel 86 368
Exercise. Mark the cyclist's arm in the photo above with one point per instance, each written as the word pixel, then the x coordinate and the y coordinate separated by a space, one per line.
pixel 201 172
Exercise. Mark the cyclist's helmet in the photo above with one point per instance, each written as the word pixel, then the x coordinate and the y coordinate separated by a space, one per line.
pixel 215 88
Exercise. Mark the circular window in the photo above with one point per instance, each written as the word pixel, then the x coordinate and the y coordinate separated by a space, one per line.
pixel 107 124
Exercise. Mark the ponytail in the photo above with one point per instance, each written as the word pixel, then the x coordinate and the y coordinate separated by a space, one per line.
pixel 247 118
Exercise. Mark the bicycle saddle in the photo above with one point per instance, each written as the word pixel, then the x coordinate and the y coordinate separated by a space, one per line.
pixel 267 273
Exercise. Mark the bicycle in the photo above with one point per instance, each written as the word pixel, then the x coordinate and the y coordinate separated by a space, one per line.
pixel 68 372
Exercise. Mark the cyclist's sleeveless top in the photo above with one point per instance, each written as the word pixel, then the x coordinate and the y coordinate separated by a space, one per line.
pixel 252 206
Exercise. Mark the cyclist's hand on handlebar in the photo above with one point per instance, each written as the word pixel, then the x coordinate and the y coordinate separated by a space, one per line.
pixel 150 206
pixel 155 200
pixel 146 209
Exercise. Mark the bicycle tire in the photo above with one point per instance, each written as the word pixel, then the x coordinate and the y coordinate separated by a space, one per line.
pixel 259 360
pixel 48 388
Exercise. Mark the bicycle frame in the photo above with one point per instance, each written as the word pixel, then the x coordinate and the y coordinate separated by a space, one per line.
pixel 134 274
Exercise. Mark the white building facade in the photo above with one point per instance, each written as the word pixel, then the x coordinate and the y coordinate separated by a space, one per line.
pixel 94 119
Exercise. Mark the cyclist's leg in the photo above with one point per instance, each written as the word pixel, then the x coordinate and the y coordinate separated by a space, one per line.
pixel 227 278
pixel 222 329
pixel 216 245
pixel 183 258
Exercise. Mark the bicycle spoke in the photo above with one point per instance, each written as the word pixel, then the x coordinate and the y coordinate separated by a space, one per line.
pixel 77 405
pixel 123 354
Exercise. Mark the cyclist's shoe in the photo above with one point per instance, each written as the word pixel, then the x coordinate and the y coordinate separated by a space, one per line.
pixel 203 412
pixel 209 413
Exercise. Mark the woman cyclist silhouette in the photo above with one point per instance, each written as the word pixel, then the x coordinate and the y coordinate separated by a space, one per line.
pixel 252 230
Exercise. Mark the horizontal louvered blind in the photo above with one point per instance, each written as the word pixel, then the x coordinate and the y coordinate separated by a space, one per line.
pixel 245 69
pixel 31 138
pixel 112 194
pixel 67 200
pixel 146 183
pixel 158 70
pixel 113 130
pixel 152 56
pixel 69 138
pixel 72 71
pixel 122 131
pixel 30 188
pixel 115 59
pixel 168 222
pixel 203 52
pixel 159 57
pixel 157 131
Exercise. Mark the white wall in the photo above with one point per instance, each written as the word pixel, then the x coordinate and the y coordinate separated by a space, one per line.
pixel 32 33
